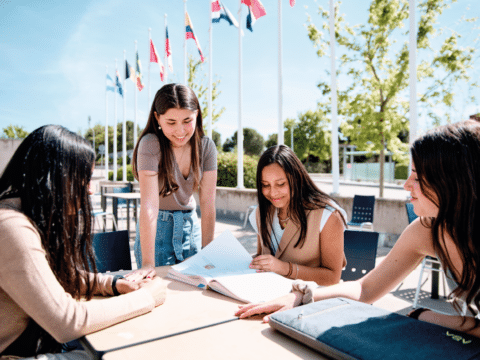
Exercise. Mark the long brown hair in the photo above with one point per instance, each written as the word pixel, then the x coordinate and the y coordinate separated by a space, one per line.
pixel 172 96
pixel 50 173
pixel 447 162
pixel 304 194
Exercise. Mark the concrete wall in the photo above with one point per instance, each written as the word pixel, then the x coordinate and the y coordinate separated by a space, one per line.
pixel 7 149
pixel 390 216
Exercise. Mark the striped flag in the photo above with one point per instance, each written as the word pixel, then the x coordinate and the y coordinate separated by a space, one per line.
pixel 110 86
pixel 255 11
pixel 219 11
pixel 154 58
pixel 189 34
pixel 129 72
pixel 168 50
pixel 119 86
pixel 139 74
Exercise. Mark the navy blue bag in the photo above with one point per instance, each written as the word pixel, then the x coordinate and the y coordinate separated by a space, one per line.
pixel 347 329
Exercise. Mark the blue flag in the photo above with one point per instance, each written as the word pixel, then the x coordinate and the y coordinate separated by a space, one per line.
pixel 119 86
pixel 110 86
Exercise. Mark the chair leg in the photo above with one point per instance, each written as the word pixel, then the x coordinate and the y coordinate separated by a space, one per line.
pixel 417 292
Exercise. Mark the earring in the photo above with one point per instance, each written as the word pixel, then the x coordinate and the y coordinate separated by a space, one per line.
pixel 159 127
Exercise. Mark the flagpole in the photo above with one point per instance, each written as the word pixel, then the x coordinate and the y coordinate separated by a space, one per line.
pixel 115 128
pixel 412 60
pixel 210 108
pixel 135 109
pixel 124 128
pixel 106 123
pixel 335 165
pixel 149 39
pixel 240 128
pixel 185 44
pixel 280 82
pixel 165 57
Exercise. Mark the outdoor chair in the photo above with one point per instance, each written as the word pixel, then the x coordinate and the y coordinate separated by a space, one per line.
pixel 112 251
pixel 410 213
pixel 361 251
pixel 362 213
pixel 250 209
pixel 101 216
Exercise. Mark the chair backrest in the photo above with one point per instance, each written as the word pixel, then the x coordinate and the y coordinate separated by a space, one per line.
pixel 125 189
pixel 363 207
pixel 361 251
pixel 410 213
pixel 112 251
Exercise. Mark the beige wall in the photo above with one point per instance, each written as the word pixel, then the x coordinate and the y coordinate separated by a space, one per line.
pixel 7 149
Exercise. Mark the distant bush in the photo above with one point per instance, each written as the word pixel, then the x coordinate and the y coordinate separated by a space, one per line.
pixel 401 172
pixel 120 174
pixel 227 170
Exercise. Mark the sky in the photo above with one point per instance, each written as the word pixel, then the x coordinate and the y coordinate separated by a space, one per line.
pixel 54 54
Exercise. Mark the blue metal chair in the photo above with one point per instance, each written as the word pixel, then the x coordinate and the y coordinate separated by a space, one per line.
pixel 361 251
pixel 410 213
pixel 112 251
pixel 362 213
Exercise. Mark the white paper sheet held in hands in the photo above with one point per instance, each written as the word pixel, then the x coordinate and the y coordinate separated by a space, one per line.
pixel 223 266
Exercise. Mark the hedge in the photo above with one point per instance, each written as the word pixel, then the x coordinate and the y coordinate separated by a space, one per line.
pixel 227 170
pixel 120 173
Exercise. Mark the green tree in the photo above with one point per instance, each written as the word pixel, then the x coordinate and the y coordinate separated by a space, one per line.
pixel 272 140
pixel 14 132
pixel 253 142
pixel 201 90
pixel 372 100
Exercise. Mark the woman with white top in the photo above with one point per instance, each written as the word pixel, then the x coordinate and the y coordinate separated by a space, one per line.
pixel 300 228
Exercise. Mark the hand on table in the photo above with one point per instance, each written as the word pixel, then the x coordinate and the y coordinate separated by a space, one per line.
pixel 157 288
pixel 283 303
pixel 269 263
pixel 146 272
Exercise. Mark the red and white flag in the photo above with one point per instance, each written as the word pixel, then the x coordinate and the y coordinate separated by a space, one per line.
pixel 154 58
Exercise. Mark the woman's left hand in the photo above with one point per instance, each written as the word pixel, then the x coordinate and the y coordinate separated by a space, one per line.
pixel 269 263
pixel 124 286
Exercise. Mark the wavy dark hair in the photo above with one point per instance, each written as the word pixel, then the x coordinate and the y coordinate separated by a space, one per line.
pixel 304 194
pixel 447 162
pixel 172 96
pixel 50 173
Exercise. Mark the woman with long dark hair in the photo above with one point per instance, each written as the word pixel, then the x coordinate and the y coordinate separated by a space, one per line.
pixel 172 159
pixel 445 188
pixel 300 228
pixel 46 257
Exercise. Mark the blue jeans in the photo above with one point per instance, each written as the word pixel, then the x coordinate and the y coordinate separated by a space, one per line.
pixel 178 237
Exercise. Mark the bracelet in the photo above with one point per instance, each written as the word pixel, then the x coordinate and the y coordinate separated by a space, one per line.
pixel 290 269
pixel 114 284
pixel 416 313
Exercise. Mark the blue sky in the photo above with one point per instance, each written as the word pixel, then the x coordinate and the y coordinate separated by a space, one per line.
pixel 53 55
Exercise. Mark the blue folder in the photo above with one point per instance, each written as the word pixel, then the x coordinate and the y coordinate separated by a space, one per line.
pixel 347 329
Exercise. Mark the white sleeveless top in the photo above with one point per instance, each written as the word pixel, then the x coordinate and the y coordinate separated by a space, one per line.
pixel 277 231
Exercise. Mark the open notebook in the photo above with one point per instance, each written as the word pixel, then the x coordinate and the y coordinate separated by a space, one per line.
pixel 223 266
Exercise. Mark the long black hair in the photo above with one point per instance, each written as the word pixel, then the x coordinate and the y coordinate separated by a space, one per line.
pixel 304 194
pixel 172 96
pixel 50 173
pixel 447 162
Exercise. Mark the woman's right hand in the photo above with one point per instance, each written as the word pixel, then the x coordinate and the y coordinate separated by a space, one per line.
pixel 157 288
pixel 279 304
pixel 145 272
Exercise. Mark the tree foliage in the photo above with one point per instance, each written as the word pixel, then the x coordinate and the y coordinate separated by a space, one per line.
pixel 14 132
pixel 373 99
pixel 253 142
pixel 201 90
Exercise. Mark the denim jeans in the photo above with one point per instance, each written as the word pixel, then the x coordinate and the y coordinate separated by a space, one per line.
pixel 178 237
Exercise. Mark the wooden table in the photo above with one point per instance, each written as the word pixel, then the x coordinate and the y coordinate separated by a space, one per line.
pixel 185 308
pixel 132 196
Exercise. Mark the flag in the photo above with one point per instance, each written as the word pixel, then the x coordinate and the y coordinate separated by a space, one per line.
pixel 219 11
pixel 139 74
pixel 110 86
pixel 129 72
pixel 119 86
pixel 255 11
pixel 168 50
pixel 189 34
pixel 154 58
pixel 292 3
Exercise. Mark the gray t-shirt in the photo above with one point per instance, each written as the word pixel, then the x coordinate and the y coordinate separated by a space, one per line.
pixel 148 158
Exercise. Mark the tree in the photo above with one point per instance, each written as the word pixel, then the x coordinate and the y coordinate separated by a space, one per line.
pixel 14 132
pixel 253 142
pixel 272 140
pixel 202 91
pixel 373 99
